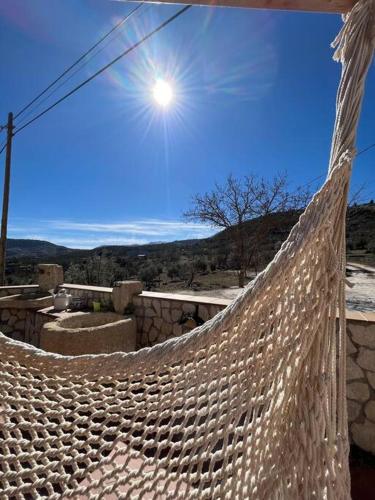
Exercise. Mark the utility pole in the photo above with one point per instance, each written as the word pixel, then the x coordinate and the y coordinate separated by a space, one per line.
pixel 4 217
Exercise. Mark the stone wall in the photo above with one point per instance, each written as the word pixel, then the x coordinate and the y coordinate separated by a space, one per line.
pixel 13 323
pixel 16 312
pixel 5 291
pixel 361 382
pixel 90 294
pixel 161 316
pixel 35 320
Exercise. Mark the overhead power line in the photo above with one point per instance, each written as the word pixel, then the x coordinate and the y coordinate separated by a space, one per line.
pixel 104 68
pixel 316 179
pixel 366 149
pixel 83 56
pixel 78 69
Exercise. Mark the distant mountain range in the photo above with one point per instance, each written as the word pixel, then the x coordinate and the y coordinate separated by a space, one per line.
pixel 360 237
pixel 34 248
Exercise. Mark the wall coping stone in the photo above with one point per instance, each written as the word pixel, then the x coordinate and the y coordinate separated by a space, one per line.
pixel 360 315
pixel 15 302
pixel 51 312
pixel 198 299
pixel 195 299
pixel 18 287
pixel 87 288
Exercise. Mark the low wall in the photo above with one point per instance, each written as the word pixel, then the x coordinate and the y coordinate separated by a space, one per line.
pixel 90 293
pixel 361 380
pixel 13 323
pixel 34 325
pixel 14 290
pixel 16 314
pixel 161 316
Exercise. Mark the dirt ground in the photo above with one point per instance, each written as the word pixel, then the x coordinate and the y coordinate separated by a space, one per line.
pixel 361 297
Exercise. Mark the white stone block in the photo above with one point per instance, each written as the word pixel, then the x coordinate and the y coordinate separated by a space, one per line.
pixel 50 276
pixel 353 371
pixel 20 325
pixel 147 324
pixel 203 313
pixel 167 315
pixel 364 435
pixel 358 391
pixel 366 359
pixel 21 314
pixel 188 308
pixel 166 329
pixel 12 320
pixel 147 302
pixel 150 313
pixel 177 330
pixel 214 310
pixel 354 409
pixel 123 293
pixel 5 315
pixel 153 335
pixel 370 410
pixel 176 315
pixel 371 379
pixel 158 322
pixel 364 335
pixel 157 306
pixel 350 347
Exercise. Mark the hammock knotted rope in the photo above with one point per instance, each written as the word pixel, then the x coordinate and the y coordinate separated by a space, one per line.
pixel 251 405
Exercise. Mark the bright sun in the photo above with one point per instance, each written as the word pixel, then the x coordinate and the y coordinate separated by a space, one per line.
pixel 163 93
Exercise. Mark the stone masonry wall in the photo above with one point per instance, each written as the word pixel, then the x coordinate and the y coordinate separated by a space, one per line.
pixel 90 293
pixel 361 383
pixel 163 316
pixel 13 319
pixel 34 324
pixel 12 323
pixel 5 291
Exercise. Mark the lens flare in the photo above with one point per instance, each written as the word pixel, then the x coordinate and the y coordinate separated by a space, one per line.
pixel 163 93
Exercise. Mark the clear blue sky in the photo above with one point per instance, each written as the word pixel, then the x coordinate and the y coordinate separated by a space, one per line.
pixel 254 92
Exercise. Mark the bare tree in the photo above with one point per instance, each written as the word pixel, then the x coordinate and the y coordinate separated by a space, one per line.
pixel 356 197
pixel 237 201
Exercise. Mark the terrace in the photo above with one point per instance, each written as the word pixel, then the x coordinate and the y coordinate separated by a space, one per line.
pixel 161 316
pixel 248 406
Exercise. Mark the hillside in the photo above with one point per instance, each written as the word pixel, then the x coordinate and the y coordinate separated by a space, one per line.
pixel 361 232
pixel 34 248
pixel 173 262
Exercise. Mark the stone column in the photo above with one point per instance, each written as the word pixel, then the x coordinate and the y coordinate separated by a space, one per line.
pixel 123 293
pixel 50 276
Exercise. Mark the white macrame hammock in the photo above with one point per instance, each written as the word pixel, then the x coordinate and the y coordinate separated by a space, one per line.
pixel 251 405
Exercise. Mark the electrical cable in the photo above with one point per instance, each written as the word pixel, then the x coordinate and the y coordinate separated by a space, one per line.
pixel 69 77
pixel 118 25
pixel 104 68
pixel 365 149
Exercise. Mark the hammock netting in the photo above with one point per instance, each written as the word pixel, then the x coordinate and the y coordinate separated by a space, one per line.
pixel 251 405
